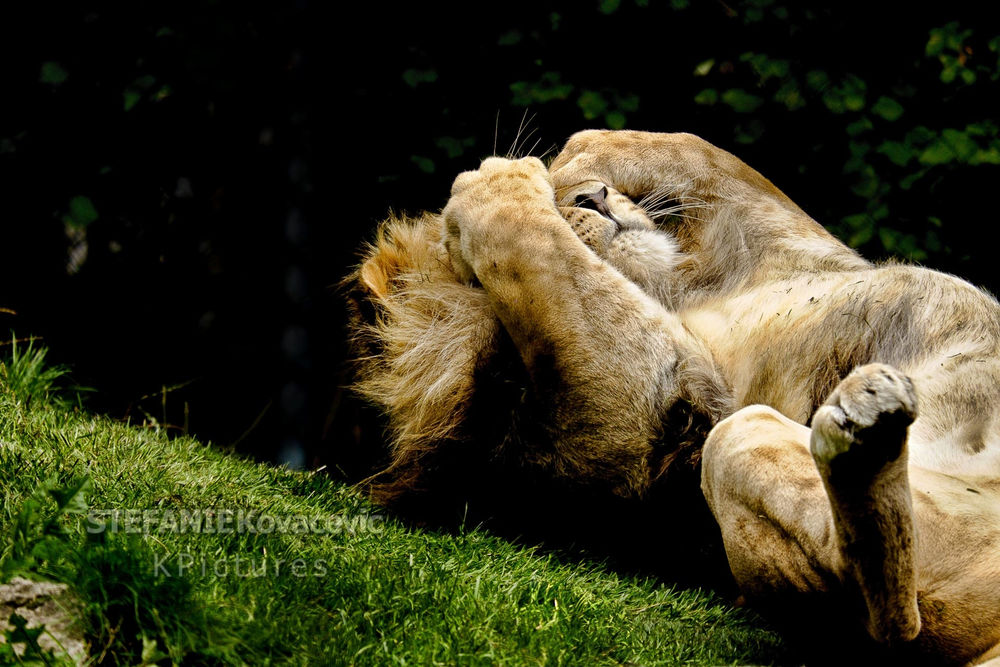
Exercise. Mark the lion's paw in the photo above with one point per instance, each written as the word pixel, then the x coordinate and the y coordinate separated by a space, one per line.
pixel 862 426
pixel 500 192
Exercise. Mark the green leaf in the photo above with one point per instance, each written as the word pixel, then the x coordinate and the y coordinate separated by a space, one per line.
pixel 609 6
pixel 509 38
pixel 867 185
pixel 859 126
pixel 592 103
pixel 908 182
pixel 910 249
pixel 938 152
pixel 932 241
pixel 854 90
pixel 72 499
pixel 415 77
pixel 790 95
pixel 704 67
pixel 862 229
pixel 766 67
pixel 946 38
pixel 818 80
pixel 741 101
pixel 53 73
pixel 861 236
pixel 897 152
pixel 859 148
pixel 452 147
pixel 628 102
pixel 615 120
pixel 132 98
pixel 849 95
pixel 920 135
pixel 425 164
pixel 546 89
pixel 880 213
pixel 989 155
pixel 708 96
pixel 950 70
pixel 151 653
pixel 856 221
pixel 889 238
pixel 854 102
pixel 81 211
pixel 887 108
pixel 748 133
pixel 935 43
pixel 962 145
pixel 834 102
pixel 981 129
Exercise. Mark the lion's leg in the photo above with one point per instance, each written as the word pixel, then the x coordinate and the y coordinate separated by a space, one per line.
pixel 805 510
pixel 859 445
pixel 639 164
pixel 658 167
pixel 993 661
pixel 762 485
pixel 736 225
pixel 603 357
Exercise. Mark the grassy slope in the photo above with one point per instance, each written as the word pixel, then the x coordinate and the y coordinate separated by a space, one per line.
pixel 389 594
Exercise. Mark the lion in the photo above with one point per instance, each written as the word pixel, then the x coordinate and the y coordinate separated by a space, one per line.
pixel 649 312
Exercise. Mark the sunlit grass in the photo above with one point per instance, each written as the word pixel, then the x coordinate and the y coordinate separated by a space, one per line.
pixel 366 590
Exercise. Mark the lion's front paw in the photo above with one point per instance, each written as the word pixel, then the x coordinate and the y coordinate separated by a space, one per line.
pixel 495 199
pixel 862 426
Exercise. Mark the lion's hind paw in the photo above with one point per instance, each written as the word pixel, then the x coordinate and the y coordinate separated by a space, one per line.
pixel 862 426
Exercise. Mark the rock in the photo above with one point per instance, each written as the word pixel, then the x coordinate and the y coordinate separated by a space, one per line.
pixel 49 604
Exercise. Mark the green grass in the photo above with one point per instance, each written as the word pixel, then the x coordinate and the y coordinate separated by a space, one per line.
pixel 370 591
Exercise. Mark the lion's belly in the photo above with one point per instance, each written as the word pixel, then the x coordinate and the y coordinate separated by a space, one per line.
pixel 958 559
pixel 788 344
pixel 958 427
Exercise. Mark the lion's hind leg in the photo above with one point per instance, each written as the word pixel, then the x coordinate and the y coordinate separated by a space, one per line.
pixel 762 486
pixel 823 510
pixel 859 444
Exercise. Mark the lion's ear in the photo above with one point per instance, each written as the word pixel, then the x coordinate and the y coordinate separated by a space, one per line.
pixel 374 277
pixel 392 254
pixel 365 290
pixel 371 283
pixel 402 248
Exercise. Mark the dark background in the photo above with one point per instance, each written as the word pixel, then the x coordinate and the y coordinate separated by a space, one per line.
pixel 184 183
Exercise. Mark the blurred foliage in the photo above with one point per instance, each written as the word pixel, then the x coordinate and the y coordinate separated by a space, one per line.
pixel 185 184
pixel 900 169
pixel 887 134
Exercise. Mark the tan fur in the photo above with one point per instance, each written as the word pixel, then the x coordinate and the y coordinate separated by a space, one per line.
pixel 585 343
pixel 419 348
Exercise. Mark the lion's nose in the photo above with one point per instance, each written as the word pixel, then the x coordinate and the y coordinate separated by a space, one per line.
pixel 597 201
